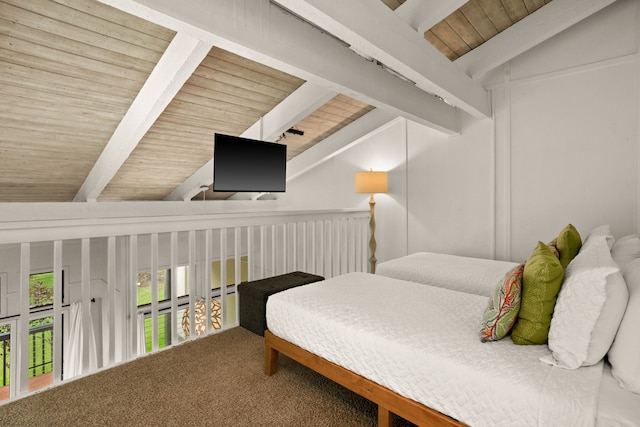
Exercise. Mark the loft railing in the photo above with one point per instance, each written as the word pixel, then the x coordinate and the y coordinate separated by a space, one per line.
pixel 101 259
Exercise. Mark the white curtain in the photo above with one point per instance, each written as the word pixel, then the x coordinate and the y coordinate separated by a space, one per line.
pixel 142 341
pixel 74 348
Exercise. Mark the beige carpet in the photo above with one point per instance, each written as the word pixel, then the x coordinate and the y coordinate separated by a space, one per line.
pixel 213 381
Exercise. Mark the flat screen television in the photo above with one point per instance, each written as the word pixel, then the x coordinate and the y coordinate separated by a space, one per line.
pixel 248 165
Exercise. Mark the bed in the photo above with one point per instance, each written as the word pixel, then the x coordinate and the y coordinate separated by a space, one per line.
pixel 467 274
pixel 413 349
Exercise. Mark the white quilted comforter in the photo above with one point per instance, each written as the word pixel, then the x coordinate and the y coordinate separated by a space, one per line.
pixel 422 342
pixel 472 275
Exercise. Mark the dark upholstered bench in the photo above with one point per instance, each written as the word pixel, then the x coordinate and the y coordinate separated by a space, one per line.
pixel 254 294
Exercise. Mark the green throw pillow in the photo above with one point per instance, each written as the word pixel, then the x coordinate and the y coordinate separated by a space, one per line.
pixel 568 243
pixel 541 281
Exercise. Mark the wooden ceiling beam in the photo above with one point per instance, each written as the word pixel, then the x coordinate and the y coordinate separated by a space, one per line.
pixel 264 32
pixel 181 58
pixel 372 28
pixel 544 23
pixel 422 15
pixel 303 101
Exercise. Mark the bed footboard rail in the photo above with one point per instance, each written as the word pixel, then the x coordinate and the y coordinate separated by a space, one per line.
pixel 389 402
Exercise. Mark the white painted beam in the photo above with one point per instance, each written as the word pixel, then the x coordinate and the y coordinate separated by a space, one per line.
pixel 306 99
pixel 534 29
pixel 338 142
pixel 182 57
pixel 264 32
pixel 375 30
pixel 422 15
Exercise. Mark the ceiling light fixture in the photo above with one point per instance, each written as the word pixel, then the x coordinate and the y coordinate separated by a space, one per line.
pixel 295 131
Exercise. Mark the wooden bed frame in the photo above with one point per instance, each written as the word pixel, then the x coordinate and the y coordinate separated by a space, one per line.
pixel 388 402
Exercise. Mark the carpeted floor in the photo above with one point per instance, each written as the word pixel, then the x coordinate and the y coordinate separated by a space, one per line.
pixel 214 381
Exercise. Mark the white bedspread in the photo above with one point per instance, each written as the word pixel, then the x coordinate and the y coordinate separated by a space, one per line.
pixel 617 407
pixel 472 275
pixel 422 342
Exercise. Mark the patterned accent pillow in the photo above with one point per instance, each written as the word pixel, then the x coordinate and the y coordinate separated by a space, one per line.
pixel 553 245
pixel 504 305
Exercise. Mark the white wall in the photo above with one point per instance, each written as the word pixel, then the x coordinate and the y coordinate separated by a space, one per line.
pixel 450 190
pixel 567 118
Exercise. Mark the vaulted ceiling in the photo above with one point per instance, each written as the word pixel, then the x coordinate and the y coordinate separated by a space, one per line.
pixel 119 99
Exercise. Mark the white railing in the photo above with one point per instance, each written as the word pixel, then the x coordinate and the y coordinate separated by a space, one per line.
pixel 96 262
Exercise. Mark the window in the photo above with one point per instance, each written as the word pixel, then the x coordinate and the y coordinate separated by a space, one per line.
pixel 40 289
pixel 5 345
pixel 165 286
pixel 40 336
pixel 230 302
pixel 41 330
pixel 40 352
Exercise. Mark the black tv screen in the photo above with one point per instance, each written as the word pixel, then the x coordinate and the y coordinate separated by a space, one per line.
pixel 248 165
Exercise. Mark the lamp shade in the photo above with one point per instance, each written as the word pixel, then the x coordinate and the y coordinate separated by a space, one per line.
pixel 371 182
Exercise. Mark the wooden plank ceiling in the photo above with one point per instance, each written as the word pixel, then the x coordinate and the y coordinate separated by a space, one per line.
pixel 474 23
pixel 70 69
pixel 68 74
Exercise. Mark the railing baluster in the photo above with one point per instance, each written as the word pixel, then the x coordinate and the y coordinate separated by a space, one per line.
pixel 154 291
pixel 303 243
pixel 251 265
pixel 111 303
pixel 339 247
pixel 321 255
pixel 223 278
pixel 22 364
pixel 86 303
pixel 132 295
pixel 263 243
pixel 285 248
pixel 174 287
pixel 192 284
pixel 237 250
pixel 57 312
pixel 273 250
pixel 294 251
pixel 208 261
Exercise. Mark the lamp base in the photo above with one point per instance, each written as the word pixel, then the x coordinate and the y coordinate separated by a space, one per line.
pixel 372 238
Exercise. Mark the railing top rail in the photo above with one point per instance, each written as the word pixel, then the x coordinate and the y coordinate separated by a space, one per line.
pixel 77 228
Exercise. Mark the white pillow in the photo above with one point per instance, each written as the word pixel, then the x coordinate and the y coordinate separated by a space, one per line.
pixel 580 306
pixel 624 355
pixel 603 230
pixel 626 249
pixel 608 323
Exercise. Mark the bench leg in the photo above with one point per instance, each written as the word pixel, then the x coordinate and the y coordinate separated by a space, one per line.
pixel 385 417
